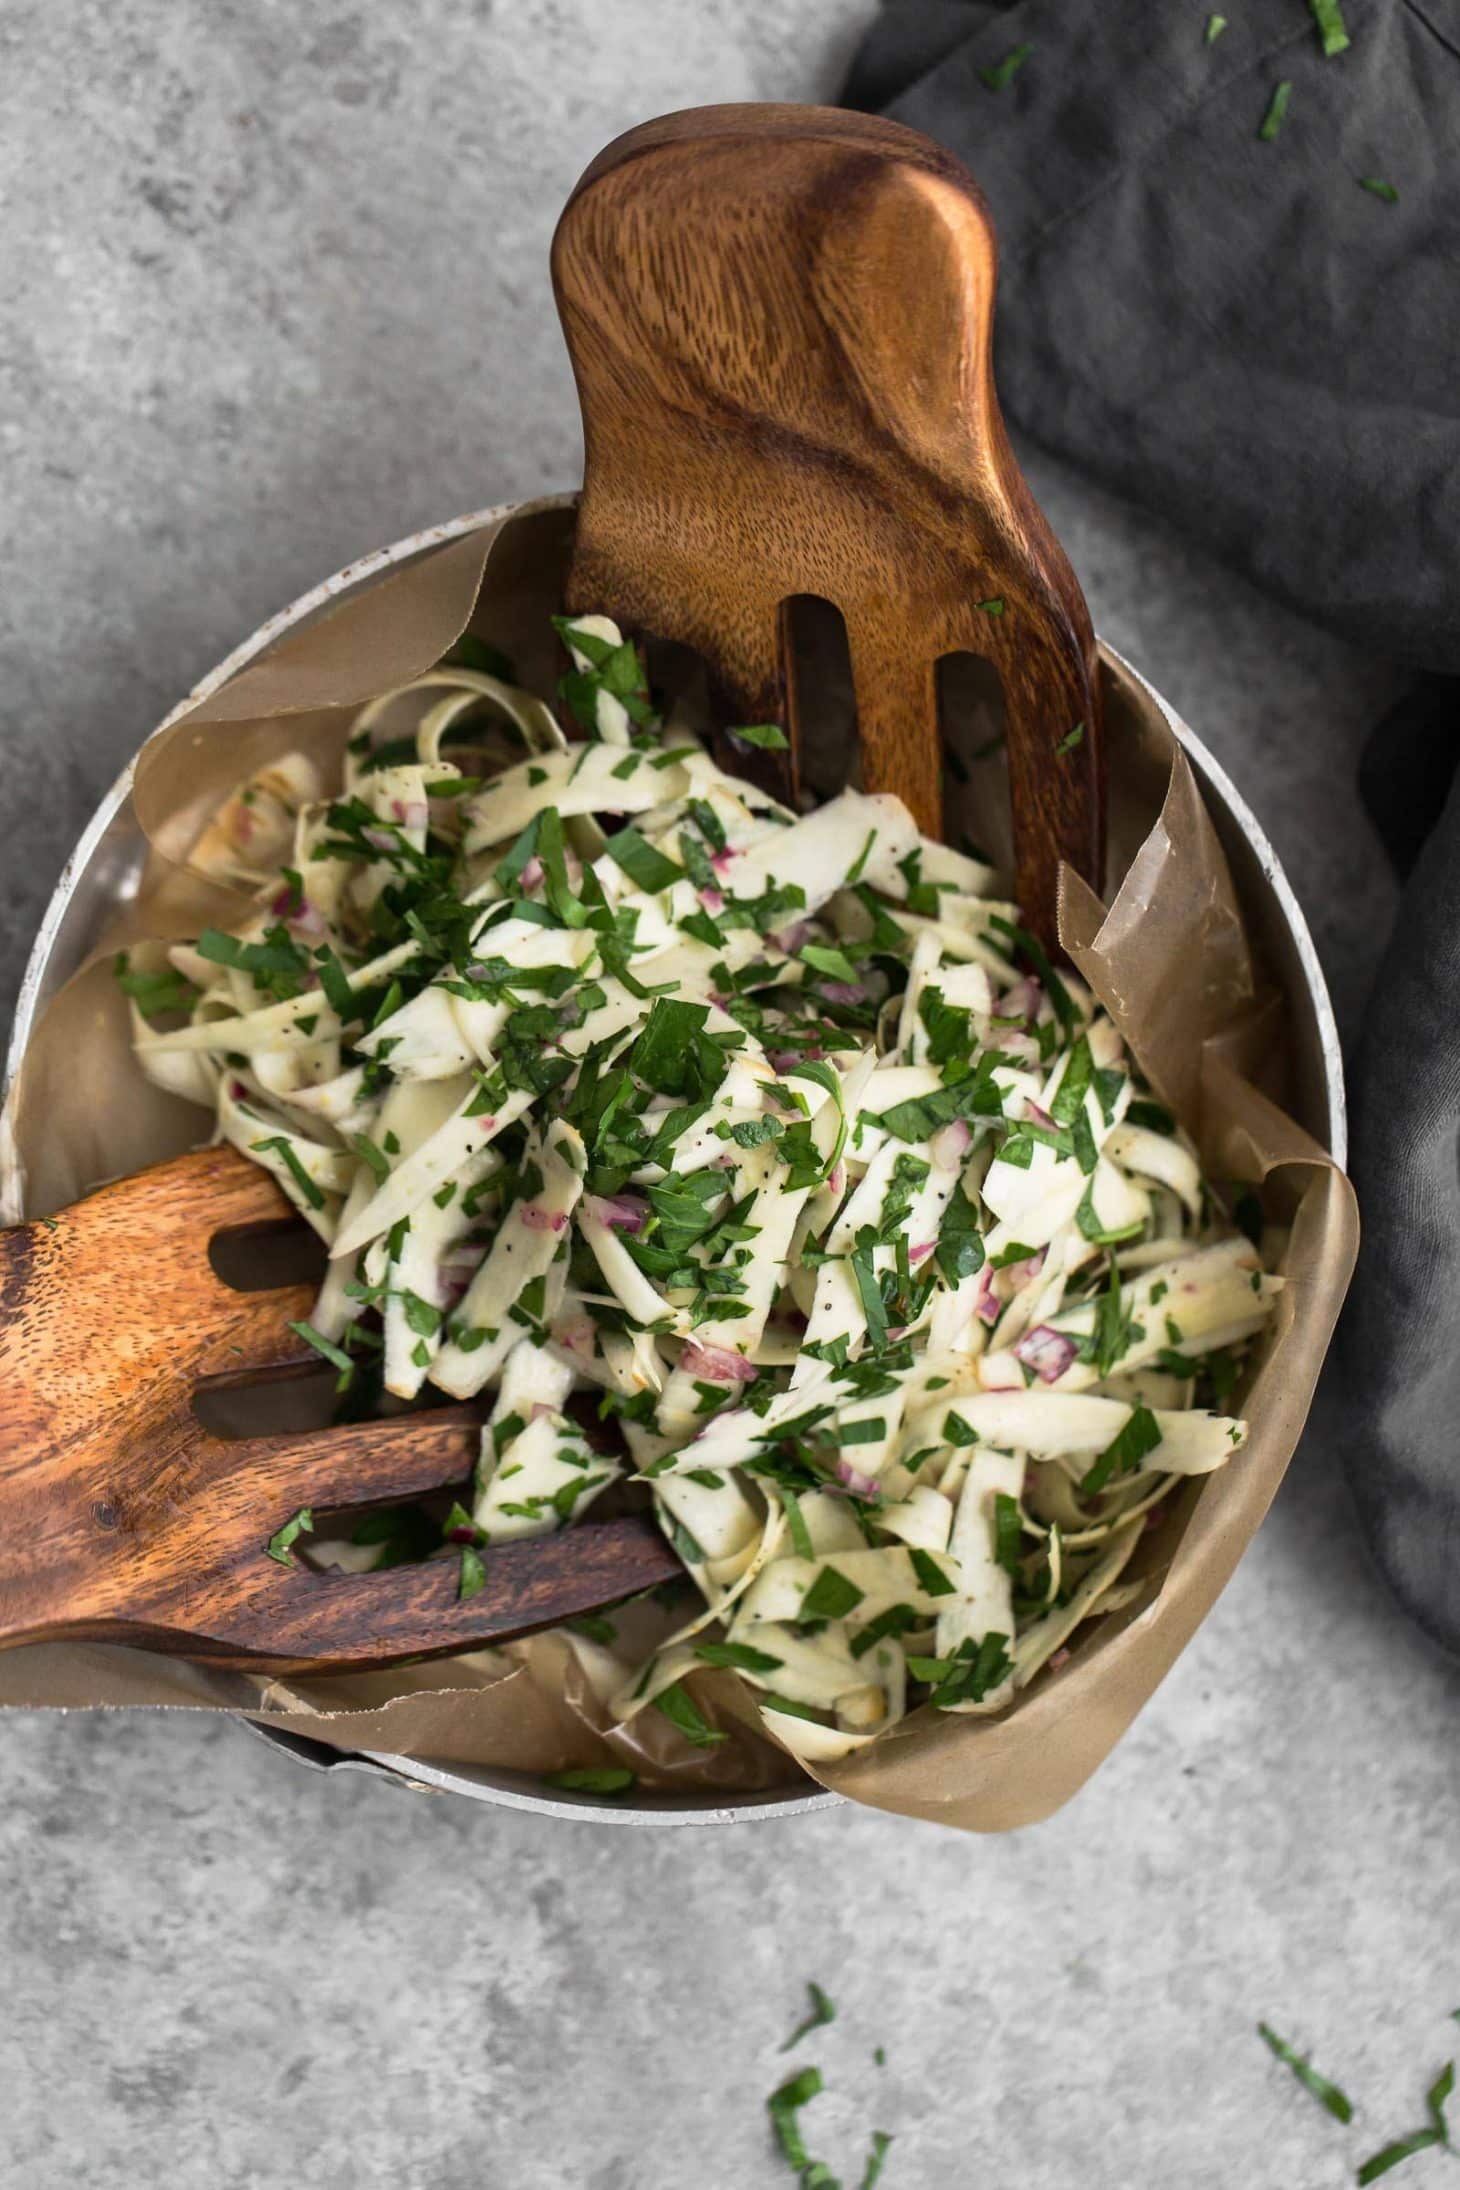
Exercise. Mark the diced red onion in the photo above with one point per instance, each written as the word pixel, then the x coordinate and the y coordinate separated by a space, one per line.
pixel 1022 1001
pixel 1020 1049
pixel 538 1219
pixel 465 1255
pixel 1061 1657
pixel 720 861
pixel 1047 1352
pixel 1023 1273
pixel 463 1534
pixel 790 939
pixel 713 900
pixel 379 840
pixel 781 1060
pixel 987 1306
pixel 619 1212
pixel 532 873
pixel 951 1143
pixel 540 1407
pixel 716 1364
pixel 1040 1117
pixel 285 903
pixel 923 1249
pixel 852 1479
pixel 844 992
pixel 576 1335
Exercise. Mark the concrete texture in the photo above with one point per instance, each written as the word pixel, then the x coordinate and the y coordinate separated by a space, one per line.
pixel 274 292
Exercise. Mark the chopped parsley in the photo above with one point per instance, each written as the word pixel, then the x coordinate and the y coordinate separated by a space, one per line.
pixel 1001 74
pixel 594 1779
pixel 1277 107
pixel 281 1543
pixel 821 2011
pixel 1332 33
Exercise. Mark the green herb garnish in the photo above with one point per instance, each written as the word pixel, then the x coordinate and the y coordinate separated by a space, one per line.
pixel 1277 107
pixel 594 1779
pixel 821 2011
pixel 681 1710
pixel 301 1524
pixel 1140 1435
pixel 785 2106
pixel 769 737
pixel 1002 73
pixel 1421 2140
pixel 1327 2094
pixel 1328 16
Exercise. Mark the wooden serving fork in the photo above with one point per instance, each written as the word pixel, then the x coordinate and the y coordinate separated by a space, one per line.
pixel 127 1521
pixel 779 318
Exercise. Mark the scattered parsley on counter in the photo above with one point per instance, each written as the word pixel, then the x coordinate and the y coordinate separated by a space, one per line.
pixel 1002 74
pixel 1216 24
pixel 1437 2132
pixel 822 2011
pixel 1277 107
pixel 881 2139
pixel 1378 188
pixel 1328 16
pixel 785 2107
pixel 1339 2105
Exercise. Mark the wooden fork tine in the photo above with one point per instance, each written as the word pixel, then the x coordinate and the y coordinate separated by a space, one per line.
pixel 322 1620
pixel 191 1197
pixel 352 1463
pixel 250 1331
pixel 897 722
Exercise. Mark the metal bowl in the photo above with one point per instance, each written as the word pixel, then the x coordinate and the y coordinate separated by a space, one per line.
pixel 103 870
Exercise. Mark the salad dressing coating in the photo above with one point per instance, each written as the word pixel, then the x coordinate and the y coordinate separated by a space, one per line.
pixel 599 1072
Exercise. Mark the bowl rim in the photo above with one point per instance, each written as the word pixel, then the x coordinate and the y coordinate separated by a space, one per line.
pixel 437 1778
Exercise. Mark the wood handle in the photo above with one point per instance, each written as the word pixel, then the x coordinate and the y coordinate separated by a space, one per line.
pixel 779 319
pixel 124 1520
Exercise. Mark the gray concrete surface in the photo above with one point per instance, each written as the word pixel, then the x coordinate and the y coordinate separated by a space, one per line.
pixel 272 291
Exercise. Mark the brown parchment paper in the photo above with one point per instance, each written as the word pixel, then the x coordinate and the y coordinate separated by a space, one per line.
pixel 1218 1022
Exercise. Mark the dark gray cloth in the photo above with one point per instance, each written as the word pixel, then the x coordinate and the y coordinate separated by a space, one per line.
pixel 1231 330
pixel 1237 333
pixel 1401 1340
pixel 1401 1332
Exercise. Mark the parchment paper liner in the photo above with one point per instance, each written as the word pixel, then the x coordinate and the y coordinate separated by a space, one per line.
pixel 1170 960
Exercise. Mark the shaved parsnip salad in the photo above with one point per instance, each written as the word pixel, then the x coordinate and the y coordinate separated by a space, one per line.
pixel 756 1155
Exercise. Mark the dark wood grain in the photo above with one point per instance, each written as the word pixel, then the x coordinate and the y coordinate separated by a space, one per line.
pixel 779 318
pixel 123 1519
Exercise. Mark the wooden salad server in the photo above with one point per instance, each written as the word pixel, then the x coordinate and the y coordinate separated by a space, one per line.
pixel 125 1520
pixel 780 318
